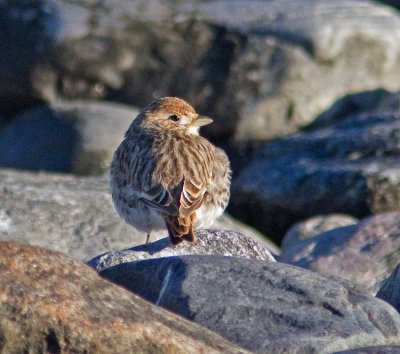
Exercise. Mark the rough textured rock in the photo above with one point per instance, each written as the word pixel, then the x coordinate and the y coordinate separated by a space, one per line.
pixel 279 62
pixel 350 167
pixel 70 214
pixel 314 226
pixel 267 307
pixel 381 349
pixel 390 290
pixel 216 242
pixel 78 137
pixel 50 303
pixel 365 253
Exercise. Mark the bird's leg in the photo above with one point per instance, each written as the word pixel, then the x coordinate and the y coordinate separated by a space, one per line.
pixel 148 238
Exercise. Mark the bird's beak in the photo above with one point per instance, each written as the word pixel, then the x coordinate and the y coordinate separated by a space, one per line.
pixel 200 121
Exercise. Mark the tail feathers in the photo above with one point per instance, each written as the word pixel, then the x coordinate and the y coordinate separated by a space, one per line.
pixel 180 229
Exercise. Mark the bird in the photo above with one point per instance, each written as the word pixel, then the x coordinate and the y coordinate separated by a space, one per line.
pixel 164 175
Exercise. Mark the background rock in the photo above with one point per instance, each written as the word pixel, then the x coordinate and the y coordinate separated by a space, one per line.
pixel 390 290
pixel 51 304
pixel 267 307
pixel 63 213
pixel 394 3
pixel 314 226
pixel 350 167
pixel 262 69
pixel 365 253
pixel 227 222
pixel 376 101
pixel 78 137
pixel 217 242
pixel 68 214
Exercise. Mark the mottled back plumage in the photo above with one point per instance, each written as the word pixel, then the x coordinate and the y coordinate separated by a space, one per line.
pixel 164 175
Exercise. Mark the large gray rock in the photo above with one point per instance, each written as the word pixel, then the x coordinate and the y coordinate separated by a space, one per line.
pixel 267 307
pixel 350 167
pixel 216 242
pixel 70 214
pixel 390 290
pixel 50 303
pixel 63 213
pixel 78 137
pixel 368 102
pixel 261 68
pixel 365 253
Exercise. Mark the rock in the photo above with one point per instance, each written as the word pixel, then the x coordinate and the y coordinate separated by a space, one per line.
pixel 64 213
pixel 394 3
pixel 365 253
pixel 390 103
pixel 267 307
pixel 261 69
pixel 53 304
pixel 314 226
pixel 381 349
pixel 350 167
pixel 227 222
pixel 70 214
pixel 78 137
pixel 216 242
pixel 376 101
pixel 390 290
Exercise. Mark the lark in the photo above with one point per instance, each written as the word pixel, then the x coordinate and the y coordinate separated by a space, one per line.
pixel 164 175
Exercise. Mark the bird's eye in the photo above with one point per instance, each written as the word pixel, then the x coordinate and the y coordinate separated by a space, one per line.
pixel 173 117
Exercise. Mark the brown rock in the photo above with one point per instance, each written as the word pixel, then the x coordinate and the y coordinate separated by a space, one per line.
pixel 51 303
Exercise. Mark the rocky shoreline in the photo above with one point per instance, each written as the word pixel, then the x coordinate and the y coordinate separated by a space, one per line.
pixel 227 282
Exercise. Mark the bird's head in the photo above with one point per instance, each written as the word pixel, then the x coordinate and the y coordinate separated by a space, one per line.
pixel 172 114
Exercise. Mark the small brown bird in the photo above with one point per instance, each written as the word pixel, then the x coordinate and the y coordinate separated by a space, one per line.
pixel 164 175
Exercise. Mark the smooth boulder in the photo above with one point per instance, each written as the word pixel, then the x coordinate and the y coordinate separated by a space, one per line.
pixel 267 307
pixel 365 253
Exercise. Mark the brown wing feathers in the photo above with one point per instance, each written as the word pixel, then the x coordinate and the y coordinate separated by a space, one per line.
pixel 190 190
pixel 190 199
